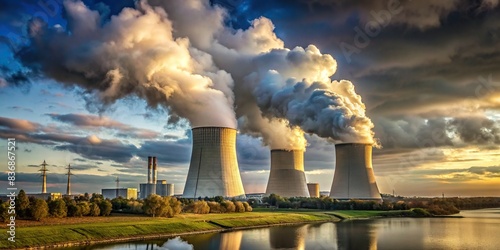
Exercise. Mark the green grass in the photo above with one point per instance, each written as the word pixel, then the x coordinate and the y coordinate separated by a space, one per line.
pixel 33 236
pixel 352 214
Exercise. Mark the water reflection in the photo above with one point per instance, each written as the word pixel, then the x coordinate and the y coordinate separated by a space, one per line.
pixel 288 237
pixel 476 231
pixel 365 235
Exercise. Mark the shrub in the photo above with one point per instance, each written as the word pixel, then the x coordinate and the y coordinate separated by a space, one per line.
pixel 134 207
pixel 84 207
pixel 58 208
pixel 420 212
pixel 247 206
pixel 105 206
pixel 39 209
pixel 214 207
pixel 239 207
pixel 94 209
pixel 201 207
pixel 227 207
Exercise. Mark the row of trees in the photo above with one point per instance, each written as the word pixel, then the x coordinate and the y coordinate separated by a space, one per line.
pixel 37 209
pixel 434 206
pixel 225 206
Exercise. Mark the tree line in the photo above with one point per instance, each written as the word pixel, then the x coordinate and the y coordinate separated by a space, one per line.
pixel 434 206
pixel 38 209
pixel 96 205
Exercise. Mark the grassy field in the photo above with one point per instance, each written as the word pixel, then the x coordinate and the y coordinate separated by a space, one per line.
pixel 56 231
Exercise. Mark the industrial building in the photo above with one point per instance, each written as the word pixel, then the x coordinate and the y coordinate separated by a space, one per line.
pixel 354 177
pixel 154 186
pixel 287 177
pixel 126 193
pixel 313 189
pixel 213 170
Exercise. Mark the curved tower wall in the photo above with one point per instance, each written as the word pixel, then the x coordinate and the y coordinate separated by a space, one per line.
pixel 354 177
pixel 287 177
pixel 313 189
pixel 213 170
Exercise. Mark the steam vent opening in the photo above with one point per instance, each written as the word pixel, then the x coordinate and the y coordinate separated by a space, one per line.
pixel 287 177
pixel 213 170
pixel 354 177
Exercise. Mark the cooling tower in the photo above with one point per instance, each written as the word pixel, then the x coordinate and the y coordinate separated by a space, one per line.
pixel 214 167
pixel 313 189
pixel 354 177
pixel 287 177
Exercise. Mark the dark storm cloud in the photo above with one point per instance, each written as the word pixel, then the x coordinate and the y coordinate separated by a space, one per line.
pixel 252 155
pixel 414 71
pixel 167 152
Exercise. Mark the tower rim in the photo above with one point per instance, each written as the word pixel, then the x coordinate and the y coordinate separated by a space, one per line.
pixel 202 127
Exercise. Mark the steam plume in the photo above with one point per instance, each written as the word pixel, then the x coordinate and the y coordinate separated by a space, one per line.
pixel 171 54
pixel 135 53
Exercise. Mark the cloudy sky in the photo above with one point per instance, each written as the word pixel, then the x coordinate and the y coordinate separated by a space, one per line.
pixel 427 73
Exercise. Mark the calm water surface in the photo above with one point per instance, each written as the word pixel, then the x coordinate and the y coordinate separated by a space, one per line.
pixel 480 229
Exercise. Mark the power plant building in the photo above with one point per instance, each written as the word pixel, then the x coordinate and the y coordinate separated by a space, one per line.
pixel 354 177
pixel 154 186
pixel 287 177
pixel 126 193
pixel 213 170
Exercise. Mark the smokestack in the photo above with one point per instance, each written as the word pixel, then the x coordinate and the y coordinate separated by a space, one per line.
pixel 44 176
pixel 214 166
pixel 354 177
pixel 155 170
pixel 313 189
pixel 150 169
pixel 287 177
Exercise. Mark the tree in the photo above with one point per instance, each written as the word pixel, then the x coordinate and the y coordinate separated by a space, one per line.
pixel 39 210
pixel 4 211
pixel 247 206
pixel 175 206
pixel 22 204
pixel 84 207
pixel 227 207
pixel 96 197
pixel 134 207
pixel 214 207
pixel 105 206
pixel 218 199
pixel 239 207
pixel 58 208
pixel 201 207
pixel 74 210
pixel 94 209
pixel 153 205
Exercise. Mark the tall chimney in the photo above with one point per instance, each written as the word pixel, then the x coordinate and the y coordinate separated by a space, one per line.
pixel 44 176
pixel 150 169
pixel 354 177
pixel 155 170
pixel 213 170
pixel 287 177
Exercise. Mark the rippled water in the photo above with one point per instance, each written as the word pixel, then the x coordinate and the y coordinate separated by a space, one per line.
pixel 480 229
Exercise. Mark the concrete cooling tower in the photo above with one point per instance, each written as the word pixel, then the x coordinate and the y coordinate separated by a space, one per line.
pixel 287 177
pixel 354 177
pixel 214 167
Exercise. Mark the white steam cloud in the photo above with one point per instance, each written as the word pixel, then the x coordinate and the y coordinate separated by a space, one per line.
pixel 179 54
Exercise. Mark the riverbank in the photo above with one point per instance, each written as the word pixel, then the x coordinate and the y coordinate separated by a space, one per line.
pixel 126 228
pixel 121 228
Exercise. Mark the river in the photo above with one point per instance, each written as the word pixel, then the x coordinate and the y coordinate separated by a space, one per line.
pixel 479 229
